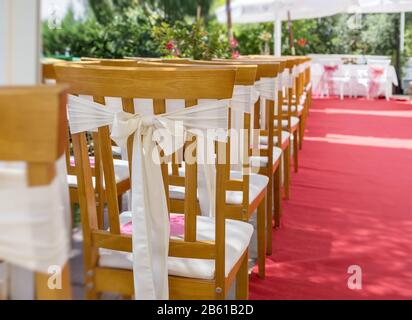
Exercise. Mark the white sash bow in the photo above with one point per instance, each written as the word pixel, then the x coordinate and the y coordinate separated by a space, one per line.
pixel 150 219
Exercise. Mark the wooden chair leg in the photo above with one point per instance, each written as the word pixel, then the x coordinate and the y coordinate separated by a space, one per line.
pixel 277 195
pixel 269 216
pixel 301 130
pixel 286 168
pixel 242 279
pixel 45 289
pixel 91 294
pixel 296 150
pixel 261 237
pixel 120 201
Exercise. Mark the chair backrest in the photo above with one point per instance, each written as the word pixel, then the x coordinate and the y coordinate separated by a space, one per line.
pixel 377 72
pixel 42 111
pixel 157 84
pixel 32 130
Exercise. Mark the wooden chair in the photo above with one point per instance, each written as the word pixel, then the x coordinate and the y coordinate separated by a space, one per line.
pixel 280 143
pixel 291 111
pixel 121 167
pixel 267 68
pixel 273 143
pixel 41 111
pixel 247 190
pixel 107 252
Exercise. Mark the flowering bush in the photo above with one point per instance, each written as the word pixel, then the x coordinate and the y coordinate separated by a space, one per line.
pixel 192 40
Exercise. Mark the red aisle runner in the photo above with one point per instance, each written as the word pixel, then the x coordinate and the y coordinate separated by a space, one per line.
pixel 351 204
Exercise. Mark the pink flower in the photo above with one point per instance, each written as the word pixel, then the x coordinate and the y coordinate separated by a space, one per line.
pixel 301 42
pixel 235 54
pixel 234 43
pixel 170 46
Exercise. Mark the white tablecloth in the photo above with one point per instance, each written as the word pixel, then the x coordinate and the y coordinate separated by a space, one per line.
pixel 358 79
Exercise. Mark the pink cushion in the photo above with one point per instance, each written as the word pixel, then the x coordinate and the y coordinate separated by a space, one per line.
pixel 177 226
pixel 72 162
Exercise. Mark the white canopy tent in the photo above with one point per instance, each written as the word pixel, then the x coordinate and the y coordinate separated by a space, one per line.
pixel 255 11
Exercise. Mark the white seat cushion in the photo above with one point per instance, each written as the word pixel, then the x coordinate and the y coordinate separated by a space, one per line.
pixel 263 161
pixel 294 122
pixel 121 170
pixel 117 151
pixel 238 235
pixel 257 183
pixel 263 140
pixel 293 108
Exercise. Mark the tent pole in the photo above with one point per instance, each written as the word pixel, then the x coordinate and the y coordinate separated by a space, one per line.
pixel 402 32
pixel 278 37
pixel 20 48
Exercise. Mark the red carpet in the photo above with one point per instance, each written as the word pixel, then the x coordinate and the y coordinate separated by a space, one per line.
pixel 351 204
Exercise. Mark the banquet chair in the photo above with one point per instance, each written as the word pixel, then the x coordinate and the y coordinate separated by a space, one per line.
pixel 207 254
pixel 121 169
pixel 32 131
pixel 253 186
pixel 333 74
pixel 376 79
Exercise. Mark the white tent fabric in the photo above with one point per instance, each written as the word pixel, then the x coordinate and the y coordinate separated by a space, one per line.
pixel 253 11
pixel 380 6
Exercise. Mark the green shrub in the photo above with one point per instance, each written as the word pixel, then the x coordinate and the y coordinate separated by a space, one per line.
pixel 128 34
pixel 192 40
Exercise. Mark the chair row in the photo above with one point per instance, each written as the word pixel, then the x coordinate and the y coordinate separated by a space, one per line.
pixel 186 235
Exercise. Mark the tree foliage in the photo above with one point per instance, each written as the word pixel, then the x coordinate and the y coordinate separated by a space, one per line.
pixel 377 35
pixel 116 28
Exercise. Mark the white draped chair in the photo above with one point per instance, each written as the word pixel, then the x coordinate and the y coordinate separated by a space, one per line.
pixel 204 255
pixel 34 229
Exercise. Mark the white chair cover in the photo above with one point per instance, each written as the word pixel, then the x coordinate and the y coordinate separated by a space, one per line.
pixel 34 221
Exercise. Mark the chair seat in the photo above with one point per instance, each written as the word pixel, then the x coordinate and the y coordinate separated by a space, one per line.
pixel 261 162
pixel 294 122
pixel 117 151
pixel 238 235
pixel 257 183
pixel 263 140
pixel 121 170
pixel 285 108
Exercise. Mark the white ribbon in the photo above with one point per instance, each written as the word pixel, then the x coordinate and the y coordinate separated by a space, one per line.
pixel 243 101
pixel 34 226
pixel 150 219
pixel 268 90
